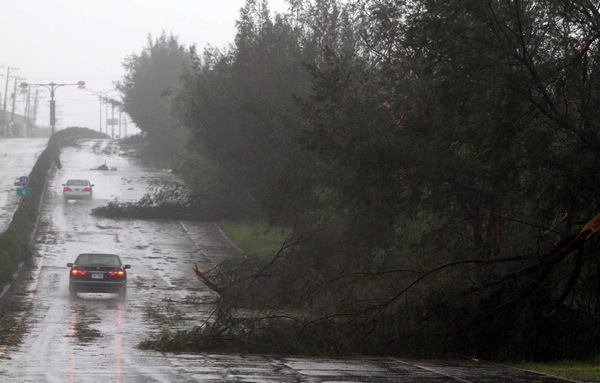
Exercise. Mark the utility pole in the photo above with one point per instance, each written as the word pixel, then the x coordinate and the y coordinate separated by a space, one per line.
pixel 27 111
pixel 35 107
pixel 106 113
pixel 8 70
pixel 6 88
pixel 14 101
pixel 2 66
pixel 101 96
pixel 112 122
pixel 5 123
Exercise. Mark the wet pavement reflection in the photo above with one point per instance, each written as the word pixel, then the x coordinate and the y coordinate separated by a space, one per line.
pixel 81 333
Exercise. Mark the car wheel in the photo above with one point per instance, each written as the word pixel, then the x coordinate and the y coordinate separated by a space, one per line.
pixel 123 293
pixel 72 291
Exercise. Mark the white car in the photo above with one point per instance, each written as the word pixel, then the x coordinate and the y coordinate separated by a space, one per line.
pixel 77 189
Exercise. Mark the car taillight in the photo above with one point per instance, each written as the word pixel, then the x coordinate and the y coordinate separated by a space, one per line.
pixel 116 273
pixel 79 272
pixel 88 189
pixel 66 189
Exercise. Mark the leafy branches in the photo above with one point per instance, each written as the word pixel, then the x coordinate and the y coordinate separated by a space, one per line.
pixel 407 143
pixel 151 77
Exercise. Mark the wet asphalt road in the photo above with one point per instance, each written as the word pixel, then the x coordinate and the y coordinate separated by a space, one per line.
pixel 93 338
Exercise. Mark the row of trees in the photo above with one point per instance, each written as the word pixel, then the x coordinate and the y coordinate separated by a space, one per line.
pixel 428 155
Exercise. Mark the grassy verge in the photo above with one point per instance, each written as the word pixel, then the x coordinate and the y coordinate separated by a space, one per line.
pixel 13 322
pixel 261 241
pixel 257 239
pixel 579 371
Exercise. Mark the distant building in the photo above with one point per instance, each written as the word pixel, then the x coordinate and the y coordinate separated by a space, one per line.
pixel 16 125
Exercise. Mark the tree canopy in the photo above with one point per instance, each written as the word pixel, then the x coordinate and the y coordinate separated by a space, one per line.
pixel 436 160
pixel 151 77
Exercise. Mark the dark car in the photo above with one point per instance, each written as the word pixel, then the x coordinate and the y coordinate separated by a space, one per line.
pixel 98 273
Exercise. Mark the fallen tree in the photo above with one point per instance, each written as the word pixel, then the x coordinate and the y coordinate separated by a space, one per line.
pixel 465 324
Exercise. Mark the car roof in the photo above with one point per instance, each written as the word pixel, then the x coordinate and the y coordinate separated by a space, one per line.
pixel 77 181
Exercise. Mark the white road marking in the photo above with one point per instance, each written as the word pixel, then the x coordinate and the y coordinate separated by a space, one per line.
pixel 197 245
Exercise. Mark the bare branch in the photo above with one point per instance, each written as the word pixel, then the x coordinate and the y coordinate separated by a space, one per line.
pixel 210 284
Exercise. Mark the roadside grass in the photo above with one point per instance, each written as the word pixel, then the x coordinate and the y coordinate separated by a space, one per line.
pixel 261 241
pixel 579 371
pixel 256 239
pixel 13 322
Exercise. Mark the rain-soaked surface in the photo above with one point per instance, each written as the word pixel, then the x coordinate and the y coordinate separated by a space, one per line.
pixel 93 338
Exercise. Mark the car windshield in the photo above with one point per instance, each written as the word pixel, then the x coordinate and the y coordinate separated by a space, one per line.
pixel 77 182
pixel 98 259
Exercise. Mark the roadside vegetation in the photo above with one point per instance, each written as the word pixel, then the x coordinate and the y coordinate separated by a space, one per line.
pixel 258 239
pixel 435 162
pixel 587 371
pixel 13 322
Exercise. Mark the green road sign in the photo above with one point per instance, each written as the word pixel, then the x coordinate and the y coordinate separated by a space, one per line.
pixel 24 192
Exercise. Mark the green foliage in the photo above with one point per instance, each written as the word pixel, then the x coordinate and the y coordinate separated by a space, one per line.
pixel 151 78
pixel 427 155
pixel 169 199
pixel 579 371
pixel 165 199
pixel 258 239
pixel 239 106
pixel 263 334
pixel 213 187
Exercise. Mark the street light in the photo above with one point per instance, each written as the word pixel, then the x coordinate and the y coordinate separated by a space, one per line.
pixel 113 103
pixel 52 87
pixel 100 95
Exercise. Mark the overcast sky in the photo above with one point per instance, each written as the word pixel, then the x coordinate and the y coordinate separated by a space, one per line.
pixel 65 41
